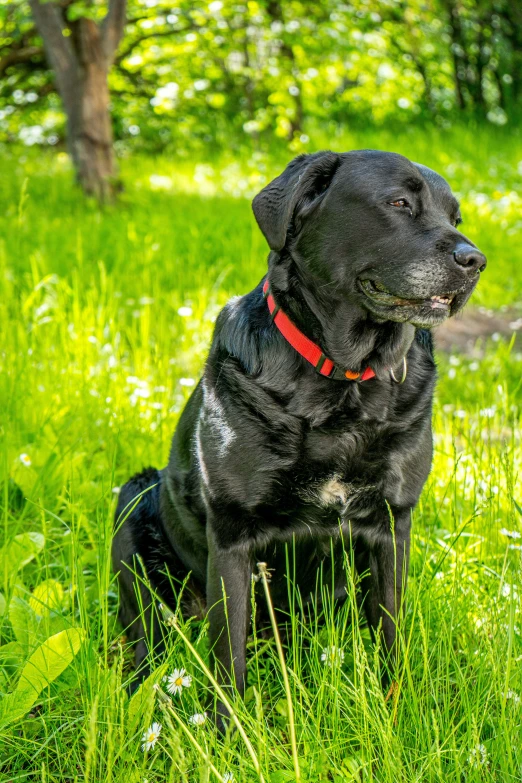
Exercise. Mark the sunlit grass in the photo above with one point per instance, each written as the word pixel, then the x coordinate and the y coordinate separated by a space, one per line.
pixel 106 317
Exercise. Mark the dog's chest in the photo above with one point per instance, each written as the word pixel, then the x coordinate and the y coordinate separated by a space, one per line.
pixel 340 468
pixel 333 492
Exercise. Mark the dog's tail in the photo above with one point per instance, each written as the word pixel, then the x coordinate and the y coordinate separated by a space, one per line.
pixel 138 498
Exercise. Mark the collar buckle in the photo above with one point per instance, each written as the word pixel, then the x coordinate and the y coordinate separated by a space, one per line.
pixel 404 372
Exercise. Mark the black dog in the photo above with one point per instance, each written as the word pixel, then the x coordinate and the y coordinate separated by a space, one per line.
pixel 312 420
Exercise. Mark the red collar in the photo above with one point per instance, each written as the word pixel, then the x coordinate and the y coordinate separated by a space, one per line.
pixel 308 349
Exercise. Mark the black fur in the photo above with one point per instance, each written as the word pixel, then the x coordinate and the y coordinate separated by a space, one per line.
pixel 267 450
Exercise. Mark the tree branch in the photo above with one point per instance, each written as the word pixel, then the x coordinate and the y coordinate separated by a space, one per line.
pixel 112 27
pixel 17 56
pixel 147 36
pixel 51 27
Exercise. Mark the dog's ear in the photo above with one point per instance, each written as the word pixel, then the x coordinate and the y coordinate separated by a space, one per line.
pixel 293 194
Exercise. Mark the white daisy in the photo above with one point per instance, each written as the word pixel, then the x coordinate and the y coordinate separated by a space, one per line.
pixel 198 719
pixel 508 590
pixel 185 312
pixel 177 681
pixel 25 459
pixel 513 695
pixel 332 656
pixel 504 532
pixel 150 737
pixel 228 777
pixel 187 381
pixel 478 757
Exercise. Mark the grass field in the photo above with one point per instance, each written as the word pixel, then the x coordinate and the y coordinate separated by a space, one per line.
pixel 105 320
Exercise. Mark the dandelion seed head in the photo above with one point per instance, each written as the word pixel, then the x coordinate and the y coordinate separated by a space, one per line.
pixel 198 719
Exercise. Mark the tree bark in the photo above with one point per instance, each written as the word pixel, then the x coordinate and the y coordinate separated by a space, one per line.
pixel 89 122
pixel 81 54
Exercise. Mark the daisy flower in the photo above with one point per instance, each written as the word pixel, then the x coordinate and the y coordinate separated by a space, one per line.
pixel 503 531
pixel 198 719
pixel 177 681
pixel 332 656
pixel 228 777
pixel 150 737
pixel 185 312
pixel 25 459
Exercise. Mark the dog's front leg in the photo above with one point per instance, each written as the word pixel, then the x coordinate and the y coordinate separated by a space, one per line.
pixel 228 600
pixel 382 563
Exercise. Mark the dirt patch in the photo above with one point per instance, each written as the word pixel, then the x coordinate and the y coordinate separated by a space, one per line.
pixel 466 333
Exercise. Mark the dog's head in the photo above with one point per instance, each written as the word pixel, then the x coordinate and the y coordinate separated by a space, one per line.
pixel 375 228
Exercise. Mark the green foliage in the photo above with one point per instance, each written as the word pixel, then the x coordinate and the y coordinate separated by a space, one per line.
pixel 39 659
pixel 44 666
pixel 195 74
pixel 96 364
pixel 20 551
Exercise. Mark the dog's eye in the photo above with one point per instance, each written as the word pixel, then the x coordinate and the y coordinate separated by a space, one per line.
pixel 402 203
pixel 458 221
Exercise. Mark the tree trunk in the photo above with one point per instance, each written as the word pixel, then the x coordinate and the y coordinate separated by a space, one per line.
pixel 90 136
pixel 81 54
pixel 88 119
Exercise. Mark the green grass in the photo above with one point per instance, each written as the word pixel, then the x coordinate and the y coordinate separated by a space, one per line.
pixel 92 353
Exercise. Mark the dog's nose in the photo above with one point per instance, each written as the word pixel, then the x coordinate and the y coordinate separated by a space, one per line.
pixel 471 259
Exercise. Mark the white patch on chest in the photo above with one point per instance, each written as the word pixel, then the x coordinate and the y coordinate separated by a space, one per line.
pixel 334 492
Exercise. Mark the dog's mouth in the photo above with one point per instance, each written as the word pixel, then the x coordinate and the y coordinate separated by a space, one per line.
pixel 438 305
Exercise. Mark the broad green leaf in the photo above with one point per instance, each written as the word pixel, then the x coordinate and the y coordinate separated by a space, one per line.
pixel 282 707
pixel 47 596
pixel 48 661
pixel 145 692
pixel 20 551
pixel 24 621
pixel 11 654
pixel 282 776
